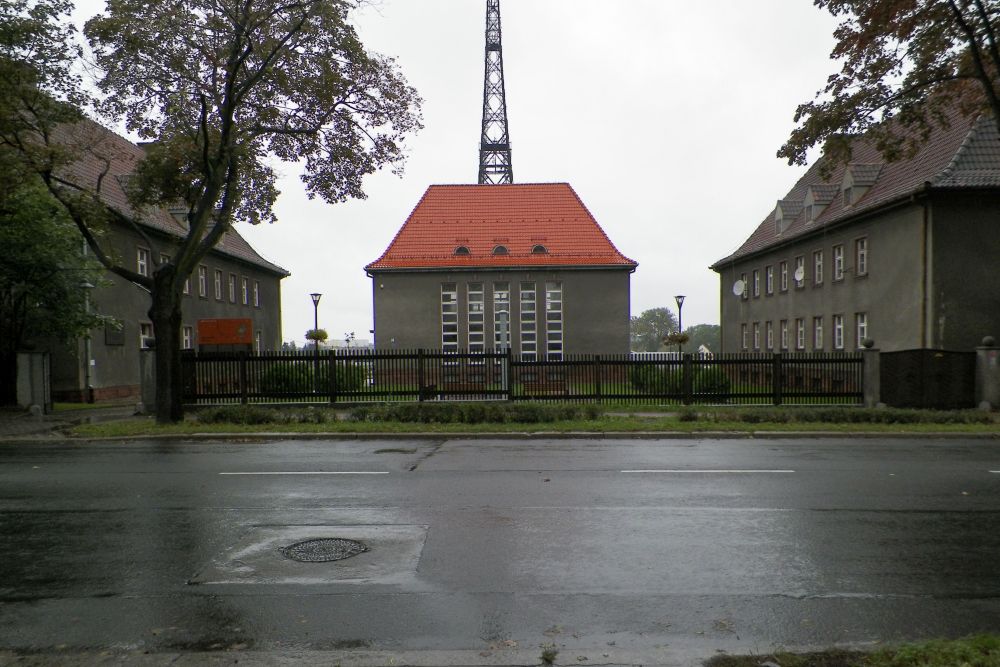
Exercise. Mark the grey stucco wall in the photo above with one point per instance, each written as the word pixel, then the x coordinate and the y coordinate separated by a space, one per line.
pixel 407 307
pixel 965 301
pixel 115 368
pixel 892 292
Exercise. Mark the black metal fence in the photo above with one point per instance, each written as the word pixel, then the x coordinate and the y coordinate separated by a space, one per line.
pixel 354 376
pixel 935 379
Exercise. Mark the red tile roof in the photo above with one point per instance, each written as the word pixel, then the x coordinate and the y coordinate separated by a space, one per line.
pixel 965 154
pixel 517 217
pixel 100 150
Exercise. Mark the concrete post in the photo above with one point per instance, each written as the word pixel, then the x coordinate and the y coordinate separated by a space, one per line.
pixel 988 375
pixel 871 374
pixel 34 389
pixel 147 381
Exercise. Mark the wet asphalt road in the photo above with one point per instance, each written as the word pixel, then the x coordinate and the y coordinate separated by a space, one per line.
pixel 598 547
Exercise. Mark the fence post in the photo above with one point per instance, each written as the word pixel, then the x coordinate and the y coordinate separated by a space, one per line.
pixel 777 379
pixel 988 374
pixel 420 374
pixel 508 358
pixel 597 377
pixel 687 378
pixel 871 374
pixel 333 384
pixel 244 389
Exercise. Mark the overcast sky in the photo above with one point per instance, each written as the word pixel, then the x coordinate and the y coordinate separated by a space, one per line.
pixel 664 116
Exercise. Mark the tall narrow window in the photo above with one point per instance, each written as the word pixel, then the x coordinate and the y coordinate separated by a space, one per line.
pixel 756 335
pixel 142 261
pixel 800 334
pixel 783 276
pixel 784 334
pixel 861 257
pixel 256 294
pixel 256 341
pixel 861 328
pixel 145 335
pixel 501 315
pixel 838 332
pixel 449 317
pixel 818 334
pixel 218 285
pixel 756 282
pixel 554 320
pixel 769 280
pixel 477 318
pixel 800 270
pixel 818 267
pixel 838 262
pixel 203 282
pixel 187 338
pixel 746 286
pixel 529 322
pixel 769 336
pixel 744 343
pixel 245 290
pixel 232 288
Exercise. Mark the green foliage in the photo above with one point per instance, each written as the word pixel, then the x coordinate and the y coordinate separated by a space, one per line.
pixel 255 415
pixel 646 331
pixel 317 335
pixel 475 413
pixel 845 415
pixel 914 61
pixel 709 335
pixel 654 379
pixel 979 651
pixel 711 380
pixel 299 377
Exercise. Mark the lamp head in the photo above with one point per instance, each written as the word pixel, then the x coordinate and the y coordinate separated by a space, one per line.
pixel 680 300
pixel 315 296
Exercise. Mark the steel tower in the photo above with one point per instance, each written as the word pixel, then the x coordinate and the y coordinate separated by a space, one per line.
pixel 494 149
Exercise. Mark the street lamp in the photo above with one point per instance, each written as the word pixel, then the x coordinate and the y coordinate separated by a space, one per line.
pixel 87 352
pixel 316 296
pixel 680 321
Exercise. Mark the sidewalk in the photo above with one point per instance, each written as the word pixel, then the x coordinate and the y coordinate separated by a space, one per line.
pixel 15 423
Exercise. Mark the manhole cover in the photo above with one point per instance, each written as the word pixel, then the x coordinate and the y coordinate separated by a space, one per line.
pixel 323 550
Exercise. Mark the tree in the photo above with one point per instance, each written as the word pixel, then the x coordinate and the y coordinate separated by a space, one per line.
pixel 222 90
pixel 41 274
pixel 709 335
pixel 647 331
pixel 915 61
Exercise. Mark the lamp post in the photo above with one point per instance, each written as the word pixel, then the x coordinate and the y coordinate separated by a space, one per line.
pixel 680 321
pixel 88 390
pixel 315 296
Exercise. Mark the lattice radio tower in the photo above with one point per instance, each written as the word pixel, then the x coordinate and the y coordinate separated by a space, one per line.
pixel 494 150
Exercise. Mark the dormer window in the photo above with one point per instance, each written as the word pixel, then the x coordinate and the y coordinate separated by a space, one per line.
pixel 785 213
pixel 848 196
pixel 462 250
pixel 858 179
pixel 539 250
pixel 501 250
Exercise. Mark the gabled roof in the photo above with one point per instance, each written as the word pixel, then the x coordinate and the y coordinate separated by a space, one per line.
pixel 966 154
pixel 108 159
pixel 517 217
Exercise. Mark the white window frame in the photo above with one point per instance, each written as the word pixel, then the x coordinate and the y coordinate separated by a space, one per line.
pixel 145 333
pixel 187 338
pixel 756 336
pixel 476 316
pixel 529 320
pixel 769 280
pixel 256 294
pixel 769 335
pixel 203 282
pixel 838 332
pixel 245 290
pixel 817 267
pixel 783 276
pixel 838 262
pixel 501 302
pixel 232 288
pixel 783 334
pixel 800 333
pixel 800 261
pixel 860 328
pixel 861 256
pixel 142 261
pixel 218 284
pixel 756 283
pixel 818 341
pixel 744 336
pixel 554 334
pixel 449 317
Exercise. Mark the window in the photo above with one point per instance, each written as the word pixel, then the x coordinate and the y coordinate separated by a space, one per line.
pixel 218 285
pixel 187 285
pixel 145 335
pixel 800 334
pixel 783 335
pixel 756 335
pixel 476 317
pixel 256 294
pixel 142 261
pixel 861 257
pixel 232 288
pixel 783 276
pixel 800 270
pixel 539 250
pixel 818 267
pixel 554 321
pixel 848 196
pixel 501 315
pixel 245 291
pixel 529 322
pixel 187 338
pixel 861 327
pixel 746 286
pixel 462 250
pixel 256 341
pixel 769 280
pixel 500 250
pixel 449 317
pixel 838 332
pixel 838 262
pixel 203 281
pixel 769 335
pixel 756 282
pixel 743 336
pixel 818 333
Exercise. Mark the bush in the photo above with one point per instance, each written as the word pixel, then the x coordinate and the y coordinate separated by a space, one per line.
pixel 654 379
pixel 475 413
pixel 299 377
pixel 711 380
pixel 242 414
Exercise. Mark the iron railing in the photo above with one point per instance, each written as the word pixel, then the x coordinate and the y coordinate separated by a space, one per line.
pixel 357 376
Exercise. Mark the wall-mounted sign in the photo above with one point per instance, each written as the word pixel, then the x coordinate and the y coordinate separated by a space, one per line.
pixel 234 331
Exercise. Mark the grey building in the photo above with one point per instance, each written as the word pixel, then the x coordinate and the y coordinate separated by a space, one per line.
pixel 482 267
pixel 904 253
pixel 232 282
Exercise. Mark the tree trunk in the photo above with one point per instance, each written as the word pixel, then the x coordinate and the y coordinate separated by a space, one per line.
pixel 165 314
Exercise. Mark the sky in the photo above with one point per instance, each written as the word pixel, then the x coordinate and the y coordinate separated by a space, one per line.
pixel 664 116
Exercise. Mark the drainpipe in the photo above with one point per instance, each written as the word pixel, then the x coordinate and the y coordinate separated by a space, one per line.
pixel 925 277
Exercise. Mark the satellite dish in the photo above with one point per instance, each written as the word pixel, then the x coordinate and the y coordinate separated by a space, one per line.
pixel 739 287
pixel 800 274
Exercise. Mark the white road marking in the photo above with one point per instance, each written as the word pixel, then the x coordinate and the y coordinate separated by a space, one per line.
pixel 302 473
pixel 995 472
pixel 712 472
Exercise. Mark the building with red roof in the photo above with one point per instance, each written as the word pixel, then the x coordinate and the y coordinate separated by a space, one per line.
pixel 903 253
pixel 483 267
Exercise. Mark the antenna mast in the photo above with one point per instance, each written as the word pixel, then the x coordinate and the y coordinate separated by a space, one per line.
pixel 494 150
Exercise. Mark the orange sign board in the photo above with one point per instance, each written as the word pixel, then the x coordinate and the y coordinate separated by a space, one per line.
pixel 235 331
